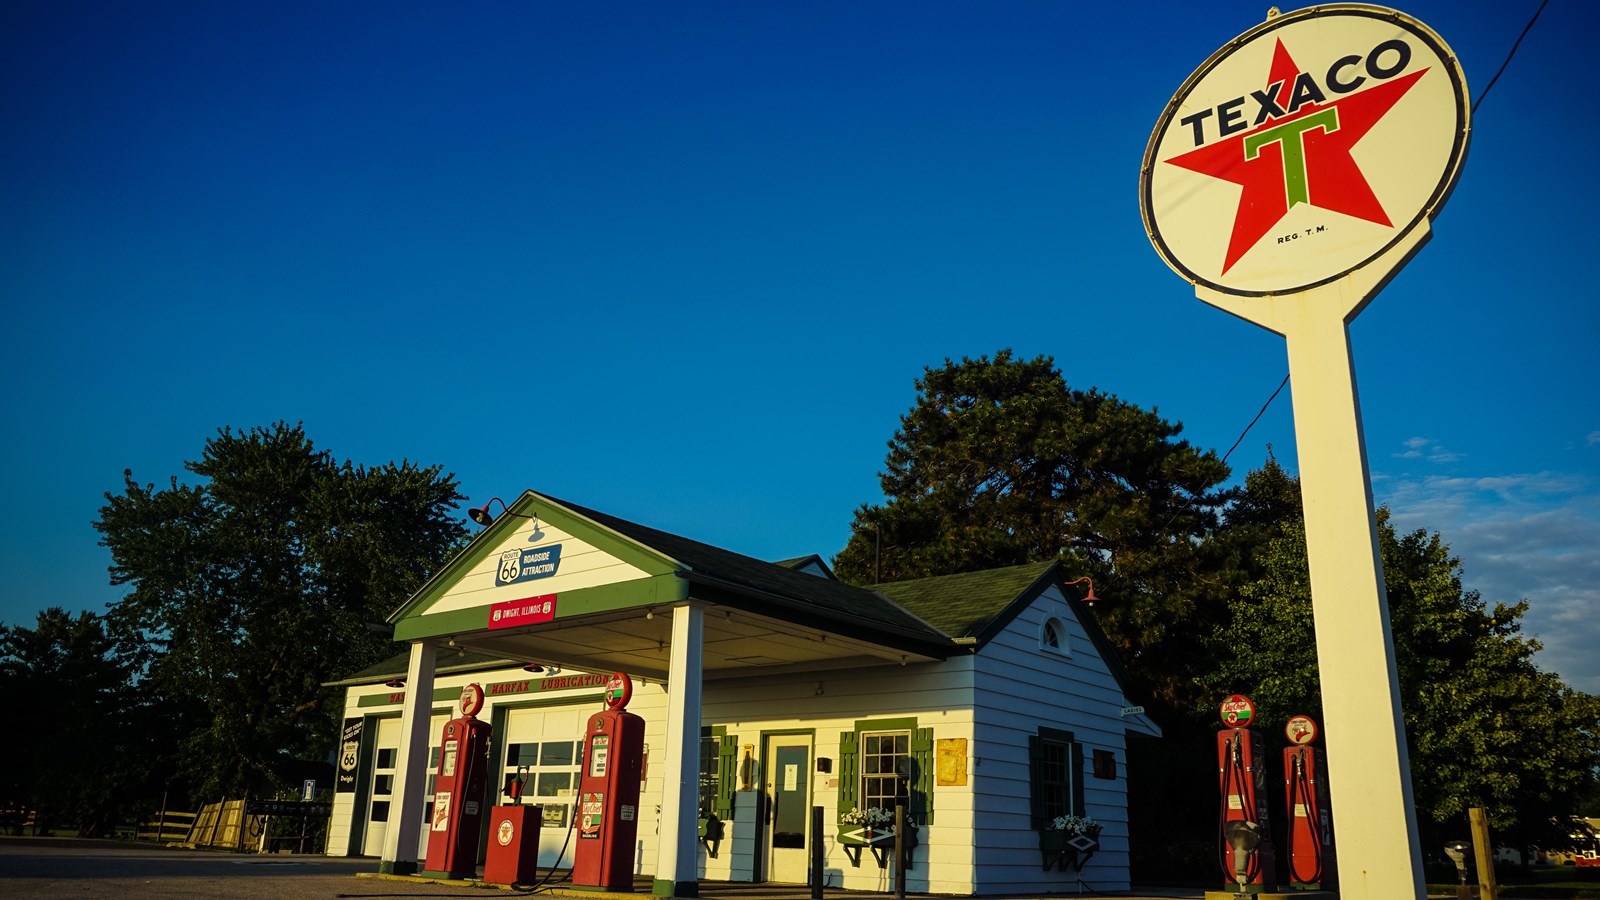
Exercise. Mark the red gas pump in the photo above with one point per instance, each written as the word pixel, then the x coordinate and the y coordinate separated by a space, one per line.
pixel 608 793
pixel 513 855
pixel 1306 794
pixel 1244 828
pixel 458 791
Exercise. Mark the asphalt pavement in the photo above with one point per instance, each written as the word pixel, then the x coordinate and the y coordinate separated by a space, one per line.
pixel 47 869
pixel 51 868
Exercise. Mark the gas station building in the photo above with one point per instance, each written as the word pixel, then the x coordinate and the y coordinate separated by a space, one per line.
pixel 988 703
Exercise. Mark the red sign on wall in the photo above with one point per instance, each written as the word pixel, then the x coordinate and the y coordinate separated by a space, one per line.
pixel 527 611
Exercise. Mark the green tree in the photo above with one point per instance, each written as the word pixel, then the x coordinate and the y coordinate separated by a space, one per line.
pixel 1485 727
pixel 89 756
pixel 1000 462
pixel 253 587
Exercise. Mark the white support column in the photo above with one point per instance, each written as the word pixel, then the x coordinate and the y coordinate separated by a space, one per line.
pixel 678 857
pixel 411 768
pixel 1369 769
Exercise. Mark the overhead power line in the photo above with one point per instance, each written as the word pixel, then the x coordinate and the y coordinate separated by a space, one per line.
pixel 1517 43
pixel 1514 46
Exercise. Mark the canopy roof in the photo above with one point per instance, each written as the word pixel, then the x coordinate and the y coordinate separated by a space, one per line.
pixel 551 581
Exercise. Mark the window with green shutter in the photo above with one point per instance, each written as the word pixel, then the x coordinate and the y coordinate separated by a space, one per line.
pixel 1055 767
pixel 884 762
pixel 716 777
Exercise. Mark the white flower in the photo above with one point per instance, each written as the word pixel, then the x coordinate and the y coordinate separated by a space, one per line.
pixel 1075 825
pixel 875 815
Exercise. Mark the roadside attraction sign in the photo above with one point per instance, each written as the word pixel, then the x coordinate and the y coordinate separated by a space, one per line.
pixel 1288 179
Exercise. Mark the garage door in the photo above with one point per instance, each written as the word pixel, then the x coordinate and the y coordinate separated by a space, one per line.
pixel 541 744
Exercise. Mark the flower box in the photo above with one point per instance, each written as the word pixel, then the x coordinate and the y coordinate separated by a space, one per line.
pixel 1069 841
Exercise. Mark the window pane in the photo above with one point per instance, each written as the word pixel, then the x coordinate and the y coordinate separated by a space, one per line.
pixel 881 756
pixel 550 784
pixel 383 784
pixel 522 755
pixel 380 811
pixel 1055 778
pixel 555 815
pixel 555 753
pixel 386 757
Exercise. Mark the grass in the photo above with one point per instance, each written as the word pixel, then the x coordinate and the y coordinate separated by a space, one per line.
pixel 1543 882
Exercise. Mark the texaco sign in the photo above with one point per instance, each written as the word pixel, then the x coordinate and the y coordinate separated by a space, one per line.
pixel 1304 149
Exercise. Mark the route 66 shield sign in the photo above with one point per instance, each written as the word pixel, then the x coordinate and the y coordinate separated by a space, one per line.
pixel 510 567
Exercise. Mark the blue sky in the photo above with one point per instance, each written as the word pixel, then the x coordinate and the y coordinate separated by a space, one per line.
pixel 682 261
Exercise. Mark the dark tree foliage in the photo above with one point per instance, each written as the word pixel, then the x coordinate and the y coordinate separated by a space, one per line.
pixel 1485 727
pixel 1000 462
pixel 89 755
pixel 253 587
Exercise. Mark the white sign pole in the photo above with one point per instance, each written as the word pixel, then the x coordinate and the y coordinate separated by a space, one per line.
pixel 1288 179
pixel 1369 772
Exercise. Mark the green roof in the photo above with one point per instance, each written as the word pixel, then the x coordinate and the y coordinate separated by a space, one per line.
pixel 971 604
pixel 713 568
pixel 979 605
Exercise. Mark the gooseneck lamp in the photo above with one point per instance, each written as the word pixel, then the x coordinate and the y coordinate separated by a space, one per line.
pixel 1090 599
pixel 482 516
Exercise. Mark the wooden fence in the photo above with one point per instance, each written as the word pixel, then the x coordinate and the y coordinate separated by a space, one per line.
pixel 166 827
pixel 224 826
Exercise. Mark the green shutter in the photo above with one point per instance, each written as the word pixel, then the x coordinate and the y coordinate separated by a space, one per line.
pixel 1076 771
pixel 922 788
pixel 727 775
pixel 848 778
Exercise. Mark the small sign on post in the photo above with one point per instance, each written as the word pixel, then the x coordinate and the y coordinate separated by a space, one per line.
pixel 308 789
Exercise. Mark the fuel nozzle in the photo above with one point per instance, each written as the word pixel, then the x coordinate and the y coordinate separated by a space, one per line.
pixel 1243 837
pixel 515 784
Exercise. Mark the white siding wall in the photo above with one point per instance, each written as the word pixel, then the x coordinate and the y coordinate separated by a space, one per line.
pixel 1019 687
pixel 582 565
pixel 344 812
pixel 981 839
pixel 936 694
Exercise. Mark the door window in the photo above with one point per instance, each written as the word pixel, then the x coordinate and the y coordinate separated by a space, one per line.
pixel 790 791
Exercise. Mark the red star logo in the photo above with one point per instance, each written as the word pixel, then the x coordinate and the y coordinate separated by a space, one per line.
pixel 1280 167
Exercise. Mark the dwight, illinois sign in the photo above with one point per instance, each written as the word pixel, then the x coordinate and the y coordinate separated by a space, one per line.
pixel 1304 149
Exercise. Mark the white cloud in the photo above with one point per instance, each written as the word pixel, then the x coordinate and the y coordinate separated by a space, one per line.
pixel 1534 536
pixel 1428 449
